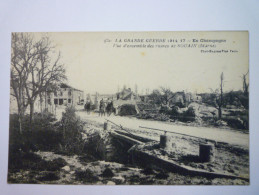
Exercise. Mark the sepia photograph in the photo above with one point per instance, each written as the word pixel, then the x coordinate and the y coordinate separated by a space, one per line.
pixel 129 108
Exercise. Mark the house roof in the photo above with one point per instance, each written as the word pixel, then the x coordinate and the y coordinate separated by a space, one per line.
pixel 64 85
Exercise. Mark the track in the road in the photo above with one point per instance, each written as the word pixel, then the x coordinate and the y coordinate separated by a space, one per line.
pixel 216 134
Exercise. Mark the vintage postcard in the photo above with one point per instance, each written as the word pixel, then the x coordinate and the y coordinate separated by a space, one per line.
pixel 129 108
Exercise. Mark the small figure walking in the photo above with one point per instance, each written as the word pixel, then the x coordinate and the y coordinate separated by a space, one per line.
pixel 101 108
pixel 88 107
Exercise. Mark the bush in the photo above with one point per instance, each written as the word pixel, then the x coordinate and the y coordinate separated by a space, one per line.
pixel 41 134
pixel 148 171
pixel 15 139
pixel 55 164
pixel 71 127
pixel 48 176
pixel 165 109
pixel 94 147
pixel 175 111
pixel 190 112
pixel 107 173
pixel 161 117
pixel 20 160
pixel 29 161
pixel 188 115
pixel 86 176
pixel 236 123
pixel 162 175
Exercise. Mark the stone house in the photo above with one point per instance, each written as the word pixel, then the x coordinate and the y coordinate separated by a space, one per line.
pixel 66 95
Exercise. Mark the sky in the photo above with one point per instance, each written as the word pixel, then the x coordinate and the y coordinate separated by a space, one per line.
pixel 95 63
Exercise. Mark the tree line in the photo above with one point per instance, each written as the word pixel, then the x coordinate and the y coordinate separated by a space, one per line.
pixel 217 98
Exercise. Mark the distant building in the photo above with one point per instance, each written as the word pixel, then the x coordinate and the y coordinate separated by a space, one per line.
pixel 66 95
pixel 185 98
pixel 190 97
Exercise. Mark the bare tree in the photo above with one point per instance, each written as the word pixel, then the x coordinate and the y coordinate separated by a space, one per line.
pixel 44 74
pixel 218 97
pixel 136 89
pixel 167 95
pixel 245 84
pixel 244 97
pixel 33 72
pixel 23 55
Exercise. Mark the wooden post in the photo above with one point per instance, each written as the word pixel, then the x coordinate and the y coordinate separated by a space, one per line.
pixel 207 152
pixel 166 142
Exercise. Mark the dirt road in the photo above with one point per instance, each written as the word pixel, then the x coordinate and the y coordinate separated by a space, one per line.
pixel 216 134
